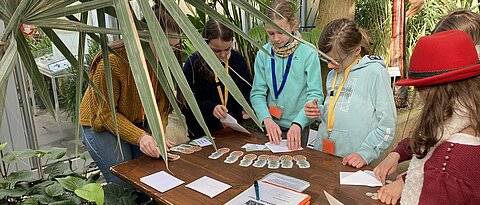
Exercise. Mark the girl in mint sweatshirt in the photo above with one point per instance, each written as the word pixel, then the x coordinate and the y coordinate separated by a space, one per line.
pixel 359 110
pixel 283 85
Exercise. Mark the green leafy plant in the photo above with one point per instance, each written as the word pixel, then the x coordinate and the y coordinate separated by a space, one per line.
pixel 61 182
pixel 312 36
pixel 68 90
pixel 423 23
pixel 39 43
pixel 376 18
pixel 52 15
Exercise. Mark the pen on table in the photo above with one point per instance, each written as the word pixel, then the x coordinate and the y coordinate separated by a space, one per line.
pixel 257 191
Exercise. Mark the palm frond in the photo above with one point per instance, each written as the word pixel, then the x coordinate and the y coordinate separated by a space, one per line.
pixel 140 73
pixel 60 11
pixel 67 25
pixel 108 75
pixel 6 68
pixel 209 56
pixel 219 17
pixel 14 20
pixel 33 71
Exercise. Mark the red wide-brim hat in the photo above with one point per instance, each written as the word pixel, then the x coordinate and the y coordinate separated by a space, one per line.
pixel 442 58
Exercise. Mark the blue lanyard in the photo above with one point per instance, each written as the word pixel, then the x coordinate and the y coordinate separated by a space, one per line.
pixel 285 75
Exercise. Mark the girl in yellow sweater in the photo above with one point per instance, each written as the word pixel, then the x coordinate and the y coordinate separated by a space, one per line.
pixel 96 118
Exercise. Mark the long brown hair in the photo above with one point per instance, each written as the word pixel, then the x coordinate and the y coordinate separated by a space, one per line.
pixel 213 30
pixel 463 20
pixel 441 101
pixel 345 34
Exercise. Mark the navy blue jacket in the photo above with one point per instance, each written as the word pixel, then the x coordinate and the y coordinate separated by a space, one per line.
pixel 206 93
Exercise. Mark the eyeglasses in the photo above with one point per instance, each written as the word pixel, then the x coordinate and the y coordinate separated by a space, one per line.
pixel 335 61
pixel 327 60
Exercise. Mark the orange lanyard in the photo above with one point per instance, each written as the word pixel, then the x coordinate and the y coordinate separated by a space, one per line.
pixel 223 95
pixel 333 99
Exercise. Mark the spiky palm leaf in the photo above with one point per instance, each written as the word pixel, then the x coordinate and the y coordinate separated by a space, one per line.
pixel 47 15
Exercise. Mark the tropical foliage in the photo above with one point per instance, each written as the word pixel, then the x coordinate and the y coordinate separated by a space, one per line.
pixel 375 16
pixel 48 15
pixel 69 90
pixel 60 182
pixel 71 15
pixel 424 22
pixel 63 184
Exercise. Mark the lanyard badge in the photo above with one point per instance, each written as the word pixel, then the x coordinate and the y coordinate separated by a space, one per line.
pixel 223 95
pixel 274 110
pixel 328 145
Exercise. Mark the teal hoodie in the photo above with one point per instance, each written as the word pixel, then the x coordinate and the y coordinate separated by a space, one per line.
pixel 365 114
pixel 304 83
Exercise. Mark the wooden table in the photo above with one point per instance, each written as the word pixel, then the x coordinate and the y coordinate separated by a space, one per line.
pixel 322 175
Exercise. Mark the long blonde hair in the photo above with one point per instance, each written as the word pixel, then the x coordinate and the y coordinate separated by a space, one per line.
pixel 285 9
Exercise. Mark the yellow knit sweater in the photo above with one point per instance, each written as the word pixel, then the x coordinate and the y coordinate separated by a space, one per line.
pixel 95 111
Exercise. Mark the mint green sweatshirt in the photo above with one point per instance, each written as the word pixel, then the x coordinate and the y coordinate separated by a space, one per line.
pixel 365 114
pixel 304 83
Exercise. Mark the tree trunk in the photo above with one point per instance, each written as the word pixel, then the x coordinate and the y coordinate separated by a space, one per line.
pixel 397 45
pixel 329 10
pixel 397 49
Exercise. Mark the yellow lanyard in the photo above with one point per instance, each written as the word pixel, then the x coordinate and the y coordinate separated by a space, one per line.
pixel 224 95
pixel 331 105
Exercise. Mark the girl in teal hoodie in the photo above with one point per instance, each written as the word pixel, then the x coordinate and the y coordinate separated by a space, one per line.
pixel 359 109
pixel 284 84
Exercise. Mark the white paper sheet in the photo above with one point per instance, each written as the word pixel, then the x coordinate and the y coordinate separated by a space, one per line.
pixel 282 147
pixel 269 194
pixel 254 147
pixel 362 178
pixel 312 138
pixel 208 186
pixel 332 200
pixel 232 123
pixel 286 181
pixel 161 181
pixel 202 142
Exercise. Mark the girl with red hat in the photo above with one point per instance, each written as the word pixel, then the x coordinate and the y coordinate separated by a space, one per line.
pixel 459 19
pixel 444 167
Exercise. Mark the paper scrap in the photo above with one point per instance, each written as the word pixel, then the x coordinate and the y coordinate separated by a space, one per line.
pixel 208 186
pixel 254 147
pixel 232 123
pixel 270 194
pixel 161 181
pixel 282 147
pixel 312 138
pixel 363 178
pixel 286 181
pixel 202 142
pixel 332 200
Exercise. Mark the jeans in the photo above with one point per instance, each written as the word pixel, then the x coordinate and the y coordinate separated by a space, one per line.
pixel 104 150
